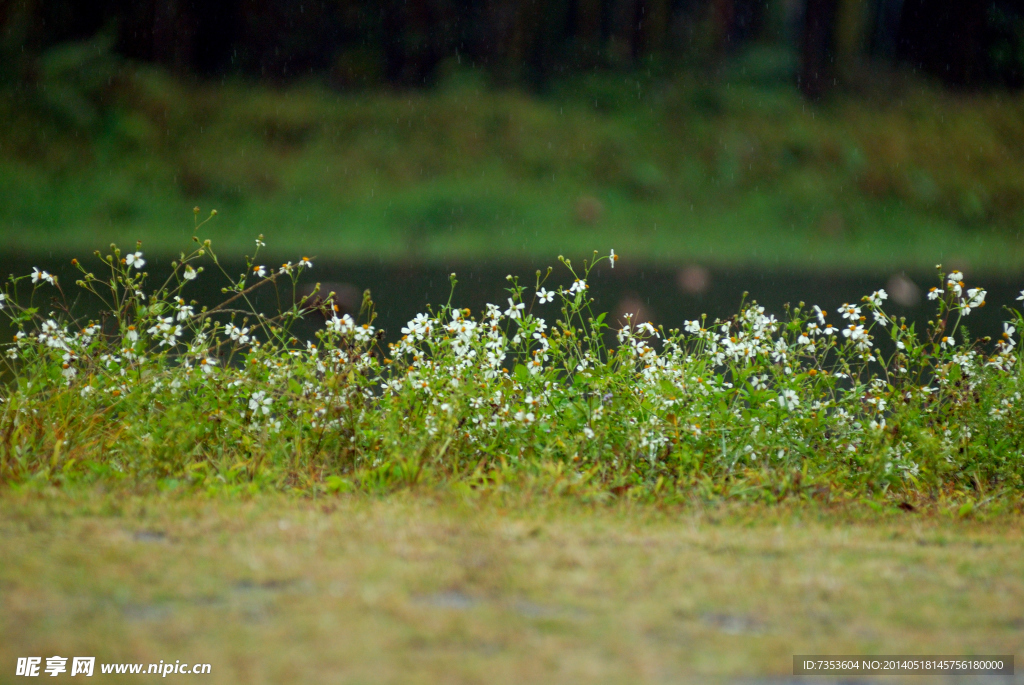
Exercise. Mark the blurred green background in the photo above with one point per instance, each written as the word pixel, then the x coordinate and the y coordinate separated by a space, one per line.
pixel 803 134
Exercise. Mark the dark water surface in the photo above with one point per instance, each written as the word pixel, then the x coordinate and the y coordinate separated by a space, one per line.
pixel 662 294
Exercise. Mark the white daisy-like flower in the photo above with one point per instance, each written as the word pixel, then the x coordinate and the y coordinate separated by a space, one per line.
pixel 876 297
pixel 39 276
pixel 612 258
pixel 544 296
pixel 854 332
pixel 260 271
pixel 134 259
pixel 190 274
pixel 514 311
pixel 936 293
pixel 975 299
pixel 305 262
pixel 788 400
pixel 849 311
pixel 259 402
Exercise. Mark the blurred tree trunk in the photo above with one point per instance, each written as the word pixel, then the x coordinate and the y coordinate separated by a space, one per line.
pixel 817 48
pixel 587 33
pixel 623 30
pixel 852 25
pixel 653 27
pixel 409 42
pixel 887 27
pixel 17 43
pixel 723 16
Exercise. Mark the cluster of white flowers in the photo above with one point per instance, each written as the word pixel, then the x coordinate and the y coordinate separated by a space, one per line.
pixel 738 390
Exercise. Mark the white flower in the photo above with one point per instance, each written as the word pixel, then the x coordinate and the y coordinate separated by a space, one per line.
pixel 975 299
pixel 788 400
pixel 38 276
pixel 936 293
pixel 417 328
pixel 189 274
pixel 305 262
pixel 612 258
pixel 134 259
pixel 207 364
pixel 821 314
pixel 2 298
pixel 260 243
pixel 235 333
pixel 876 297
pixel 850 312
pixel 184 310
pixel 259 402
pixel 343 326
pixel 363 333
pixel 131 335
pixel 578 286
pixel 260 271
pixel 854 332
pixel 514 310
pixel 955 282
pixel 544 296
pixel 1021 297
pixel 285 268
pixel 588 432
pixel 525 417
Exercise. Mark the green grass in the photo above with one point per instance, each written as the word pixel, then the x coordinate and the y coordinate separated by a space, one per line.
pixel 435 587
pixel 739 172
pixel 137 384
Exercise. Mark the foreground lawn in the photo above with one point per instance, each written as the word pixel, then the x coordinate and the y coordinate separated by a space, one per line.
pixel 428 588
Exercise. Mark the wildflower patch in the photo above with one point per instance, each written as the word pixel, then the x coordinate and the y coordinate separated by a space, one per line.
pixel 159 387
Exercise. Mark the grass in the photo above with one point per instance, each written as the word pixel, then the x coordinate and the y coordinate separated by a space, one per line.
pixel 433 586
pixel 158 389
pixel 736 170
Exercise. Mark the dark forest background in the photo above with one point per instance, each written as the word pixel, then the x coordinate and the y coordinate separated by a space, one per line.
pixel 801 134
pixel 362 44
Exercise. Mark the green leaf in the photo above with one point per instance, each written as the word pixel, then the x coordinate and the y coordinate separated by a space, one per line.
pixel 338 484
pixel 521 373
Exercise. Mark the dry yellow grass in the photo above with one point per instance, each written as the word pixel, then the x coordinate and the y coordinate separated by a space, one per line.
pixel 421 588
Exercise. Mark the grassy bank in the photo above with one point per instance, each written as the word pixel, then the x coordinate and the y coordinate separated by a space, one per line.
pixel 157 389
pixel 430 587
pixel 735 169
